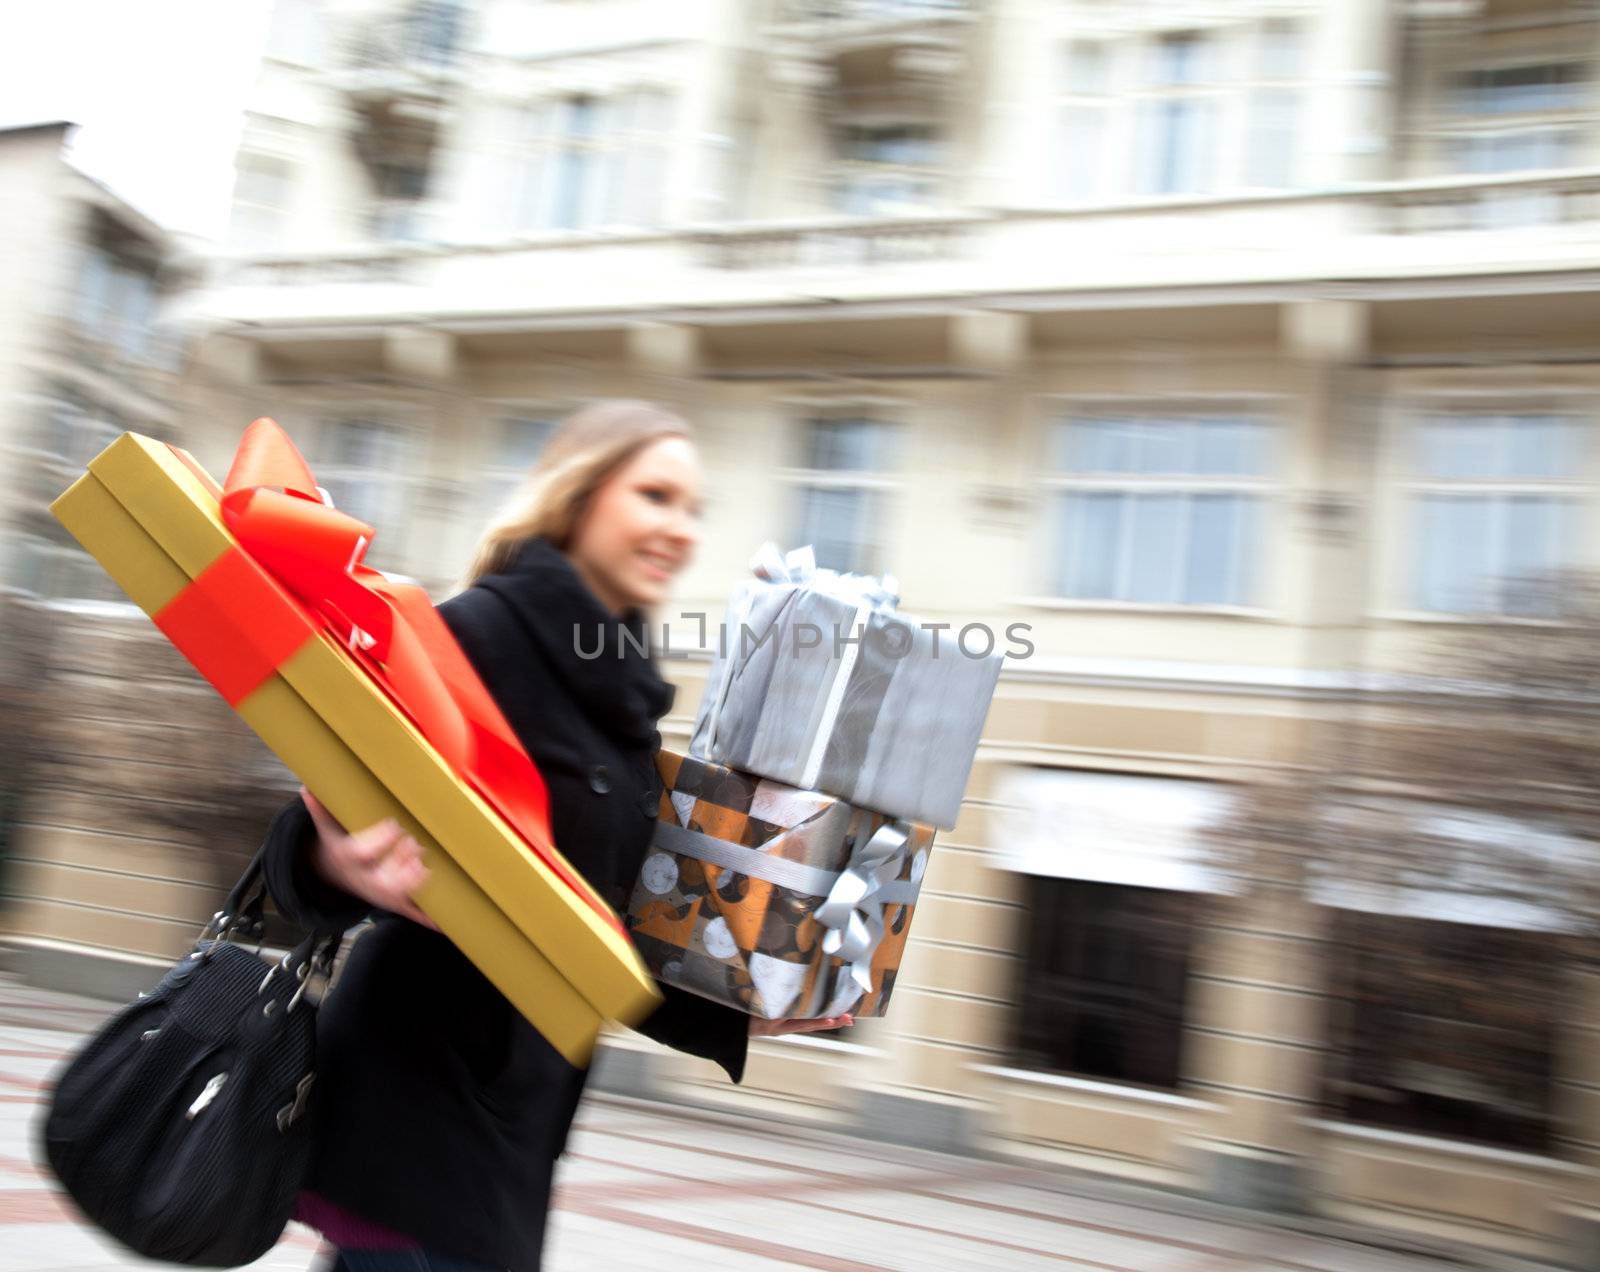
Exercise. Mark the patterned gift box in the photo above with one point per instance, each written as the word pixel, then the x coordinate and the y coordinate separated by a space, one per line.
pixel 778 901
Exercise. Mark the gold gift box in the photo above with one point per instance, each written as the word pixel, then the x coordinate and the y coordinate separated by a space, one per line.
pixel 155 526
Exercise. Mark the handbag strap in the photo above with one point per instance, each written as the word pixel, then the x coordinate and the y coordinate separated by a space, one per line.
pixel 245 908
pixel 244 914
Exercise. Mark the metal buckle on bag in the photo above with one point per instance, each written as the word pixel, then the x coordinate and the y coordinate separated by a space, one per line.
pixel 203 1100
pixel 282 965
pixel 290 1113
pixel 303 974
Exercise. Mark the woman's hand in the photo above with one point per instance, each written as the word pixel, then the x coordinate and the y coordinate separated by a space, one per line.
pixel 381 864
pixel 777 1028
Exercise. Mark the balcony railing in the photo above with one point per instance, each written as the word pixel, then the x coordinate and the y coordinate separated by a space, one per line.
pixel 1453 226
pixel 875 10
pixel 1498 203
pixel 869 243
pixel 301 271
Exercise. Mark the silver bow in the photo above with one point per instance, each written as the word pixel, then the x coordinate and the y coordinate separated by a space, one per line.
pixel 776 569
pixel 799 567
pixel 853 912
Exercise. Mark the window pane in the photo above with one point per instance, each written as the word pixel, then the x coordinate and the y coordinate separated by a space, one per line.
pixel 847 446
pixel 1513 90
pixel 1165 446
pixel 521 440
pixel 1274 117
pixel 361 444
pixel 1102 446
pixel 839 525
pixel 1082 151
pixel 1461 447
pixel 1281 53
pixel 1104 979
pixel 1088 539
pixel 1087 70
pixel 1178 132
pixel 1533 549
pixel 1455 553
pixel 1181 59
pixel 1154 560
pixel 1443 1029
pixel 1230 448
pixel 1540 446
pixel 1221 539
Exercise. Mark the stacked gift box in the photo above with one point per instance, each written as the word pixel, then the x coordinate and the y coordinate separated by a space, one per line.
pixel 834 737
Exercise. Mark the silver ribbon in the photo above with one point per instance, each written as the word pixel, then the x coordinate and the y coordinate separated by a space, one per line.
pixel 855 897
pixel 853 912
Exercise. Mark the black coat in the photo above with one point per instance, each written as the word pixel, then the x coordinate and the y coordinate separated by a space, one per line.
pixel 441 1109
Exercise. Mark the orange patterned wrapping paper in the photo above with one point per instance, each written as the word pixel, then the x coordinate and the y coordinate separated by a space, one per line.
pixel 779 901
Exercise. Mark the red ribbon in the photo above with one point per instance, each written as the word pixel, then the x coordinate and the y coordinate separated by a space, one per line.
pixel 274 508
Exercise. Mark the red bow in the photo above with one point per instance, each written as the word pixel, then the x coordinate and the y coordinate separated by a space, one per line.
pixel 274 508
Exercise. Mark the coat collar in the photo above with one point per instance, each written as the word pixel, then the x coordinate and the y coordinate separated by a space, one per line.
pixel 603 659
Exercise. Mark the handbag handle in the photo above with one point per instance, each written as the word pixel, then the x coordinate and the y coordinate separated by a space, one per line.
pixel 244 914
pixel 246 904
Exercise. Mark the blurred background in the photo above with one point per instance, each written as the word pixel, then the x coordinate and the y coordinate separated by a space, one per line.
pixel 1247 350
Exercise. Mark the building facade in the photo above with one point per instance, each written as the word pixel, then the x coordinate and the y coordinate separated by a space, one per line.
pixel 1236 347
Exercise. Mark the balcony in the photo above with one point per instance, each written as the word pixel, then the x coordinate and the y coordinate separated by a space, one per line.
pixel 409 63
pixel 837 245
pixel 875 42
pixel 1378 240
pixel 1542 201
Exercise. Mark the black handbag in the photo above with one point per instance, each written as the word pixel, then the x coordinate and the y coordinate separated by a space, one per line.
pixel 181 1128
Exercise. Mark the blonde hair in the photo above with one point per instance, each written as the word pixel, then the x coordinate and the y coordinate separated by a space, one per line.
pixel 590 445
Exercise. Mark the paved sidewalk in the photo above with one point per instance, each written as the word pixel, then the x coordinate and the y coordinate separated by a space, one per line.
pixel 650 1186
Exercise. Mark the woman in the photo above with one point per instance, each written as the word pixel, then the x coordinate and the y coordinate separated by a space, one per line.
pixel 441 1110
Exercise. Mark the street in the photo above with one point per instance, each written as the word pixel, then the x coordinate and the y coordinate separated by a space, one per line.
pixel 666 1188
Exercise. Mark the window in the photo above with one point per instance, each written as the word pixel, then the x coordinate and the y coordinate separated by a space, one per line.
pixel 883 169
pixel 261 200
pixel 1104 975
pixel 92 298
pixel 575 161
pixel 1523 90
pixel 401 188
pixel 368 468
pixel 74 430
pixel 1442 1029
pixel 1519 118
pixel 1083 119
pixel 1178 119
pixel 46 568
pixel 517 447
pixel 433 32
pixel 639 125
pixel 1495 510
pixel 1274 105
pixel 516 161
pixel 1518 150
pixel 114 301
pixel 1158 510
pixel 840 496
pixel 135 306
pixel 578 162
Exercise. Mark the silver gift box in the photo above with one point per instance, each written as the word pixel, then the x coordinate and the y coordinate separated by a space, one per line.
pixel 820 682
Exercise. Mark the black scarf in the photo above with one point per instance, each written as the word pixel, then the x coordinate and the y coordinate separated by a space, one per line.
pixel 604 659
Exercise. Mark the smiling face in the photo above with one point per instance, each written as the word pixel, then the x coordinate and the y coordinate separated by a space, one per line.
pixel 641 527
